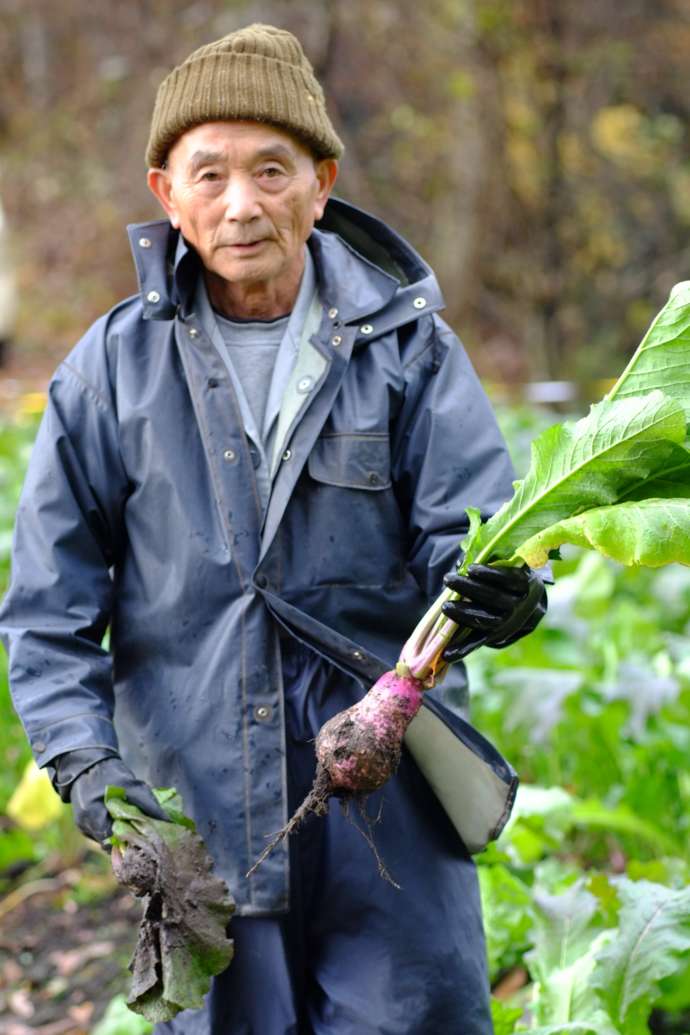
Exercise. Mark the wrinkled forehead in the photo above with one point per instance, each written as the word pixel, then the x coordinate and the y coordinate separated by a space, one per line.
pixel 243 139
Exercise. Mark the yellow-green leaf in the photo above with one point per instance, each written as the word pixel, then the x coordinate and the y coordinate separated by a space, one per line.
pixel 34 803
pixel 647 533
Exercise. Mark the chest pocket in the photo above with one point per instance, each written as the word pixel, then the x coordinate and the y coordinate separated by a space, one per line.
pixel 348 514
pixel 352 461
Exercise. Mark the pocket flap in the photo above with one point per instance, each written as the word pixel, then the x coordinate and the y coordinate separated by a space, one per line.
pixel 356 461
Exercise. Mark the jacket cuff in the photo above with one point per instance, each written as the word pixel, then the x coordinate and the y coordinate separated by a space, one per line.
pixel 75 733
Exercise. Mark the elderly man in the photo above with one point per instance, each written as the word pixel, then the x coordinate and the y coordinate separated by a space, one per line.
pixel 255 473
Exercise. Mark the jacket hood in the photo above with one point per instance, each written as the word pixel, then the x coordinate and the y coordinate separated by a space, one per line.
pixel 366 271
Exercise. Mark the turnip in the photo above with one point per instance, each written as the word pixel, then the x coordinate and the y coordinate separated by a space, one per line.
pixel 358 750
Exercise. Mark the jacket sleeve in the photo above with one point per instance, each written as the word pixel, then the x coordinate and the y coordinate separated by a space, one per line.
pixel 448 452
pixel 67 536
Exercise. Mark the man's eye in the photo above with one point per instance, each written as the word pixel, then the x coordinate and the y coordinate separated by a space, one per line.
pixel 271 172
pixel 209 176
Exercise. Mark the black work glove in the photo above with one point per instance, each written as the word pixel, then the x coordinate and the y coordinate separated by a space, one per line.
pixel 499 605
pixel 86 790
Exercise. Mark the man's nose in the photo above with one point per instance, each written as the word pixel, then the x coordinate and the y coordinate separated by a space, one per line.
pixel 241 201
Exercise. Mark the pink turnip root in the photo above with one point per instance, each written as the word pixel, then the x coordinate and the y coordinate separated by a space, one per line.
pixel 358 750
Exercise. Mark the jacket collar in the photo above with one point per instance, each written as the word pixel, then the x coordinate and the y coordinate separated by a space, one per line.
pixel 366 271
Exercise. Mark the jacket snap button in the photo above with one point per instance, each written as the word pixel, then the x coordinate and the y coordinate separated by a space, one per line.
pixel 263 713
pixel 213 382
pixel 144 242
pixel 419 303
pixel 287 454
pixel 153 296
pixel 336 340
pixel 39 745
pixel 193 332
pixel 373 478
pixel 358 654
pixel 229 455
pixel 261 581
pixel 332 313
pixel 366 328
pixel 304 384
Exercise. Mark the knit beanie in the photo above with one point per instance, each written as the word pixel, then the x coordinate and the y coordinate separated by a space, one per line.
pixel 259 73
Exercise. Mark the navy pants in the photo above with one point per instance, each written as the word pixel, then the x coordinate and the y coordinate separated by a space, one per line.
pixel 355 956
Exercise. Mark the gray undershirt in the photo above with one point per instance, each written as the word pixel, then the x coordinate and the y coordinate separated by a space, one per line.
pixel 261 382
pixel 253 348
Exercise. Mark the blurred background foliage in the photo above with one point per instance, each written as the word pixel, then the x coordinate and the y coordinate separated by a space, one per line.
pixel 537 154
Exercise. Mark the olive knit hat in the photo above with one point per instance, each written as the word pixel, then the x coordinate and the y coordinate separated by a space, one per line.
pixel 259 73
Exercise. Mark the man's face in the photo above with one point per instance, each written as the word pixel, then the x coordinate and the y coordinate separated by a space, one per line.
pixel 245 195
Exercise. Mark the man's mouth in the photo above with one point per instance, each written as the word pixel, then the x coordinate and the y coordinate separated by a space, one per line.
pixel 245 245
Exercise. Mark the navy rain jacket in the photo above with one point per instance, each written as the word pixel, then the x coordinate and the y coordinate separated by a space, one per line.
pixel 140 513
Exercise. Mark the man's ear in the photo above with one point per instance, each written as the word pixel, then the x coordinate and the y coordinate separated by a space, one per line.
pixel 160 185
pixel 326 173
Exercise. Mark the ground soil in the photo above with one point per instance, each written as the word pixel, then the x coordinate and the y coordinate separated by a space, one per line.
pixel 64 950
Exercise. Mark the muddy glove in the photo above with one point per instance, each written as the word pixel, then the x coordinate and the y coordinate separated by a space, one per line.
pixel 499 606
pixel 81 778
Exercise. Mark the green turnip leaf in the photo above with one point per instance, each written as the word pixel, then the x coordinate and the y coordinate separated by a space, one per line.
pixel 578 466
pixel 182 940
pixel 672 481
pixel 662 360
pixel 652 943
pixel 651 532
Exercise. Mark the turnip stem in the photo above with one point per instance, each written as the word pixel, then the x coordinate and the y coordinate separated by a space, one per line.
pixel 421 655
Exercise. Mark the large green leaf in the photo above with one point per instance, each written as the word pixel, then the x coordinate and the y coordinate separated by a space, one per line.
pixel 568 934
pixel 183 938
pixel 653 942
pixel 564 930
pixel 670 482
pixel 567 997
pixel 576 467
pixel 662 360
pixel 651 532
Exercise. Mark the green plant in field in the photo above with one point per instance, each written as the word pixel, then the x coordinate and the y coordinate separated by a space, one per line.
pixel 598 699
pixel 594 711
